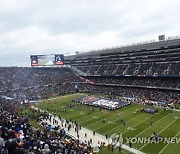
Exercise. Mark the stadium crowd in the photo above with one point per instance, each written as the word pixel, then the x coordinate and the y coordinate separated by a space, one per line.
pixel 160 82
pixel 38 83
pixel 18 136
pixel 156 68
pixel 35 83
pixel 141 93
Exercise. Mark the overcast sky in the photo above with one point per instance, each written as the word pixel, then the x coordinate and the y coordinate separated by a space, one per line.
pixel 66 26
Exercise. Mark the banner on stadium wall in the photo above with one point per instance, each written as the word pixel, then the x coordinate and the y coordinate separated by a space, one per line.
pixel 87 81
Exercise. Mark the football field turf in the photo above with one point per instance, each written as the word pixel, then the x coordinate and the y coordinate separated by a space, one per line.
pixel 137 125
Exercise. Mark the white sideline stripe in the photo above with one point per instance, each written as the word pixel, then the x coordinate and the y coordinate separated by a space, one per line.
pixel 168 144
pixel 153 124
pixel 110 117
pixel 121 124
pixel 89 133
pixel 160 132
pixel 176 110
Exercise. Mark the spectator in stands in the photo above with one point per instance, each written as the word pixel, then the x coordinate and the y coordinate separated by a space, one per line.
pixel 2 144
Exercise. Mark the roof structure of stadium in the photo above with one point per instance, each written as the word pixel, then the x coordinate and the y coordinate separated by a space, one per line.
pixel 155 58
pixel 130 47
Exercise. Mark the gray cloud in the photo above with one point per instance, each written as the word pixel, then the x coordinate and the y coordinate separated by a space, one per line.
pixel 61 26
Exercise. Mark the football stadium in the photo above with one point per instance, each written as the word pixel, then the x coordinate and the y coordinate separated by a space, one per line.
pixel 80 77
pixel 120 100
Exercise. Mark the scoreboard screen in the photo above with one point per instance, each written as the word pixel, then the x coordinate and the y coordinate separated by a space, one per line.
pixel 47 60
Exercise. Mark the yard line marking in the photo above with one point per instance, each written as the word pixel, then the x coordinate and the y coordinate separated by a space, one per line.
pixel 71 112
pixel 80 114
pixel 116 120
pixel 121 124
pixel 160 132
pixel 112 116
pixel 129 120
pixel 88 115
pixel 97 115
pixel 168 144
pixel 153 124
pixel 137 124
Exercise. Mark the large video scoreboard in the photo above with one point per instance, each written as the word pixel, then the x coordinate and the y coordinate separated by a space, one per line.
pixel 47 60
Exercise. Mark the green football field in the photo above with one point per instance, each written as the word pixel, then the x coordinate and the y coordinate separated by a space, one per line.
pixel 137 125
